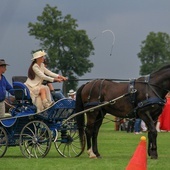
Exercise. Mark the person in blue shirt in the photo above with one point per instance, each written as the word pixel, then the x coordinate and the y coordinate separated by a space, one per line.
pixel 137 126
pixel 4 86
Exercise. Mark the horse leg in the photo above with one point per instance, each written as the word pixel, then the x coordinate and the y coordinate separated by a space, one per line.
pixel 152 144
pixel 91 118
pixel 89 146
pixel 94 142
pixel 152 135
pixel 98 123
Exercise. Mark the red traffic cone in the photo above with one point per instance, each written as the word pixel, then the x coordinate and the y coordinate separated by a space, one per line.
pixel 139 158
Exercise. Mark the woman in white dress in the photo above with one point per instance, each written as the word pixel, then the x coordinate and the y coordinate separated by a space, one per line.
pixel 37 73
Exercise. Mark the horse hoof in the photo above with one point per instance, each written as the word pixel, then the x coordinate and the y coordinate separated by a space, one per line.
pixel 92 157
pixel 154 157
pixel 91 154
pixel 99 157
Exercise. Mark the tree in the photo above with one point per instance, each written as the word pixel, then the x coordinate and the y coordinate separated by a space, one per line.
pixel 155 52
pixel 68 48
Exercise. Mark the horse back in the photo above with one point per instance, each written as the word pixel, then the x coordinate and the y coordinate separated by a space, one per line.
pixel 97 92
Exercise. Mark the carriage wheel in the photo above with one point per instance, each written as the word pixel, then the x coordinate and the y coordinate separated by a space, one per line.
pixel 3 142
pixel 68 142
pixel 35 140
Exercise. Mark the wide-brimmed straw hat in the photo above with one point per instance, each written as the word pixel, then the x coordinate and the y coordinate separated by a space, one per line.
pixel 38 54
pixel 2 62
pixel 71 92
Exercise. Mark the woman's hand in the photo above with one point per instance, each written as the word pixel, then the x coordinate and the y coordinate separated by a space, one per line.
pixel 57 80
pixel 60 79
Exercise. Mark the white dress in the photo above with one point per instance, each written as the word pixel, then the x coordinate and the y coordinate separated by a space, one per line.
pixel 41 74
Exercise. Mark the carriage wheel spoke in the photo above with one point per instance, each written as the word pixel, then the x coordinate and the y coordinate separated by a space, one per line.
pixel 35 139
pixel 69 145
pixel 3 141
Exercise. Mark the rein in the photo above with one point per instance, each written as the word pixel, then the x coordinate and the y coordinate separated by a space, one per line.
pixel 98 79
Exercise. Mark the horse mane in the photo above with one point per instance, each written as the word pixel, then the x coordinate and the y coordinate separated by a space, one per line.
pixel 167 66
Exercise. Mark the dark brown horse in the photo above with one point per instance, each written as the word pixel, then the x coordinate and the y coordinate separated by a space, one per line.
pixel 143 98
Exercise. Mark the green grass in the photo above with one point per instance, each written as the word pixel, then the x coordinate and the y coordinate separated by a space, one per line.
pixel 116 149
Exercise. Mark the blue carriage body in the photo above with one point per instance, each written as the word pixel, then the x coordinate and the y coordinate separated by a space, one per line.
pixel 52 116
pixel 23 127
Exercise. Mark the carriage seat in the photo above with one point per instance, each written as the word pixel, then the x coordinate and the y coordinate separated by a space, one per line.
pixel 22 95
pixel 21 91
pixel 21 79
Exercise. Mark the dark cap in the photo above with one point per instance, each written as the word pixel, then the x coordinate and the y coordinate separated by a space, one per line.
pixel 2 62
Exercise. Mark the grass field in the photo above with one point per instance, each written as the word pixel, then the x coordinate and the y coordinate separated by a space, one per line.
pixel 116 149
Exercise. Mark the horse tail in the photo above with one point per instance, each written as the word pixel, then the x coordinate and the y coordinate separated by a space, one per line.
pixel 79 107
pixel 80 118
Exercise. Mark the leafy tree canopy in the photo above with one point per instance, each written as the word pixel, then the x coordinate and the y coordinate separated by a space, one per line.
pixel 155 52
pixel 68 48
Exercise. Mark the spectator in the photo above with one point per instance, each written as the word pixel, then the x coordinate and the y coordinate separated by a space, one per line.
pixel 158 125
pixel 143 126
pixel 4 86
pixel 137 126
pixel 120 124
pixel 164 118
pixel 130 125
pixel 72 94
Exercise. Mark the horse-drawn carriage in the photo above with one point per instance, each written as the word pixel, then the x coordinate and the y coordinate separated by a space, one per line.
pixel 34 132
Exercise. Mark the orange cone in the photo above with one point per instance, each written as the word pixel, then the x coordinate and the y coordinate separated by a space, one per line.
pixel 139 158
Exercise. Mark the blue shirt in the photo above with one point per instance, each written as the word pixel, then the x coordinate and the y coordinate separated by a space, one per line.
pixel 5 86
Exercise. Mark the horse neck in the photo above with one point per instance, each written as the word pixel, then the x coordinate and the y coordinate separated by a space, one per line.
pixel 162 81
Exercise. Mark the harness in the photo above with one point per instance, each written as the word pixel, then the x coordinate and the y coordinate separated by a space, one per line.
pixel 99 97
pixel 149 100
pixel 131 90
pixel 132 96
